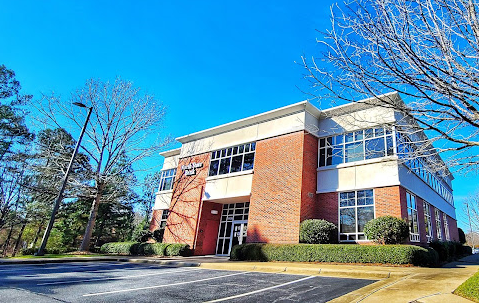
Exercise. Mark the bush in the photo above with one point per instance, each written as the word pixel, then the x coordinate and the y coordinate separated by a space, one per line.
pixel 386 230
pixel 449 250
pixel 340 253
pixel 48 250
pixel 462 236
pixel 318 232
pixel 158 234
pixel 145 249
pixel 143 235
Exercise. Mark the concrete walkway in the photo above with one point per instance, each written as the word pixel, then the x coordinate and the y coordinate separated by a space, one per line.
pixel 395 284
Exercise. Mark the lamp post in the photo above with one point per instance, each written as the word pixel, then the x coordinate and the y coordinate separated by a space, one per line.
pixel 41 250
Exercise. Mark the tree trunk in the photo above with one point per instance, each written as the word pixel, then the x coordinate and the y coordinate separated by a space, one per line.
pixel 37 235
pixel 85 244
pixel 7 241
pixel 19 238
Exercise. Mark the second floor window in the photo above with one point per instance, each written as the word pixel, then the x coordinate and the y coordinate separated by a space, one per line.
pixel 167 179
pixel 356 146
pixel 233 159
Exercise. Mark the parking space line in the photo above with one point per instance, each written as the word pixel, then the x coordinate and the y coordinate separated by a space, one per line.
pixel 115 278
pixel 260 290
pixel 164 285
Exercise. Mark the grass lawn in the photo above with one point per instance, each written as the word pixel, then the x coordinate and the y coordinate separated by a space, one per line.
pixel 56 256
pixel 470 288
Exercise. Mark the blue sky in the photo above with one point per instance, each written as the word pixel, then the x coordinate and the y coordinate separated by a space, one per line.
pixel 209 62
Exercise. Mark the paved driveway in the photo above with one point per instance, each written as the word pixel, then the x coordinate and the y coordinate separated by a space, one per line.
pixel 128 282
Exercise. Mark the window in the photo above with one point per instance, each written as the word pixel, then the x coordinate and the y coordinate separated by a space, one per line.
pixel 446 226
pixel 405 150
pixel 231 212
pixel 167 179
pixel 356 146
pixel 437 214
pixel 356 208
pixel 232 159
pixel 164 218
pixel 412 217
pixel 427 221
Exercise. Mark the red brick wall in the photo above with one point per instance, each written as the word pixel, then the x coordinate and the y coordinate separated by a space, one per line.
pixel 390 201
pixel 309 185
pixel 328 207
pixel 276 191
pixel 155 219
pixel 185 203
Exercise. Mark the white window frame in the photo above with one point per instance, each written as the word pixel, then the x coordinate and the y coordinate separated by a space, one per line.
pixel 437 215
pixel 356 234
pixel 166 174
pixel 427 220
pixel 414 235
pixel 228 152
pixel 446 226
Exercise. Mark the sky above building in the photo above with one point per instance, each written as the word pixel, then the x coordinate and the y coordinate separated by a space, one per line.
pixel 209 62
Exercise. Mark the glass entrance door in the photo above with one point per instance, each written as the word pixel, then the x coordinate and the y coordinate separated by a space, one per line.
pixel 239 234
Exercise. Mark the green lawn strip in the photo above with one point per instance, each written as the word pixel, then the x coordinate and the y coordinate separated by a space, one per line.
pixel 55 256
pixel 470 288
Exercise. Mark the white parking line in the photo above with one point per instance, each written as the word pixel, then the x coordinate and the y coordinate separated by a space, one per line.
pixel 160 286
pixel 260 290
pixel 71 265
pixel 116 278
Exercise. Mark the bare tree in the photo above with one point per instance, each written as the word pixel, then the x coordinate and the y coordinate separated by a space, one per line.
pixel 426 50
pixel 124 129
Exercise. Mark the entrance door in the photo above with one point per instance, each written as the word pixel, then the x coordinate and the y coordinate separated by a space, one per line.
pixel 238 235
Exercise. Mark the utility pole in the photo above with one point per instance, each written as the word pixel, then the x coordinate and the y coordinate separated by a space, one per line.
pixel 41 250
pixel 470 226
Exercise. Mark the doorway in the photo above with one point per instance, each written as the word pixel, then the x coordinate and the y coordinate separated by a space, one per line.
pixel 233 227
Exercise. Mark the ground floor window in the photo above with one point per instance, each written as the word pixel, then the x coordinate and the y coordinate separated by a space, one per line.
pixel 233 226
pixel 427 221
pixel 412 217
pixel 356 208
pixel 437 214
pixel 446 227
pixel 164 218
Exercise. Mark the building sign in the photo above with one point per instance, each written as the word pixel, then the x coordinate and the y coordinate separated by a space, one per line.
pixel 190 169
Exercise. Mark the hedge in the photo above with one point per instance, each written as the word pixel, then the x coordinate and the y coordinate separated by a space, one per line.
pixel 450 250
pixel 145 249
pixel 340 253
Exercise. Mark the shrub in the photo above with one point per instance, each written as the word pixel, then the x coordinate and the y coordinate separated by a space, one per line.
pixel 340 253
pixel 143 236
pixel 449 250
pixel 386 230
pixel 146 249
pixel 462 236
pixel 317 232
pixel 158 234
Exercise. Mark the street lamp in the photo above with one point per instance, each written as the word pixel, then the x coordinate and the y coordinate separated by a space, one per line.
pixel 41 250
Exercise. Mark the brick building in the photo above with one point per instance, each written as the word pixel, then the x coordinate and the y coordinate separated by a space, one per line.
pixel 258 178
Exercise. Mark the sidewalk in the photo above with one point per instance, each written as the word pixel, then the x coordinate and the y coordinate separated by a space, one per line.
pixel 395 284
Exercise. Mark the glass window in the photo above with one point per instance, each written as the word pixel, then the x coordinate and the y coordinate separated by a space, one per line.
pixel 232 159
pixel 353 152
pixel 167 179
pixel 375 148
pixel 427 220
pixel 437 214
pixel 356 208
pixel 412 217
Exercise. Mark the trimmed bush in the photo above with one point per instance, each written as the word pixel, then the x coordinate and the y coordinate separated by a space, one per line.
pixel 462 236
pixel 449 250
pixel 386 230
pixel 340 253
pixel 146 249
pixel 53 251
pixel 316 231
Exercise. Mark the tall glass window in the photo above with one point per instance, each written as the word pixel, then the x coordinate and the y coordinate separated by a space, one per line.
pixel 232 159
pixel 167 179
pixel 356 146
pixel 437 214
pixel 427 221
pixel 412 217
pixel 446 227
pixel 356 208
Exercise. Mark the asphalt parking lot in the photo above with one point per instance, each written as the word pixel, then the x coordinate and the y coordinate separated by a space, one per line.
pixel 129 282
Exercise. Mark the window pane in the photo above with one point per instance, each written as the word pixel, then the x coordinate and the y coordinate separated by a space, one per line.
pixel 248 161
pixel 369 133
pixel 224 166
pixel 228 151
pixel 214 168
pixel 365 214
pixel 390 145
pixel 241 148
pixel 329 156
pixel 338 139
pixel 253 146
pixel 347 220
pixel 236 163
pixel 322 157
pixel 379 131
pixel 322 142
pixel 235 150
pixel 358 135
pixel 349 137
pixel 337 157
pixel 354 152
pixel 375 148
pixel 246 148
